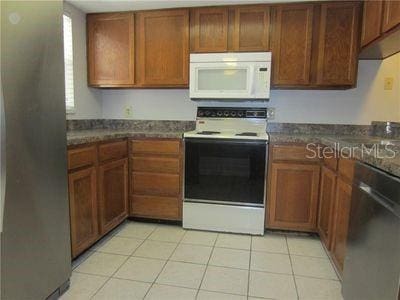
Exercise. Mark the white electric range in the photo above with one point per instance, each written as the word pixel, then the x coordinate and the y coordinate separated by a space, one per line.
pixel 225 170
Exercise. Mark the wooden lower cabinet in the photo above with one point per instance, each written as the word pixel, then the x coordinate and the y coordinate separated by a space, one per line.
pixel 293 196
pixel 113 194
pixel 83 209
pixel 156 179
pixel 341 222
pixel 326 202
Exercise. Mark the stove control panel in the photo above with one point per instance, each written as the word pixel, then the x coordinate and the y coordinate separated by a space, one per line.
pixel 232 112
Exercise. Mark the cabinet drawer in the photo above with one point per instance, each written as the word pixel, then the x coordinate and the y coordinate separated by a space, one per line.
pixel 293 152
pixel 155 207
pixel 113 150
pixel 155 184
pixel 82 157
pixel 346 168
pixel 155 164
pixel 171 147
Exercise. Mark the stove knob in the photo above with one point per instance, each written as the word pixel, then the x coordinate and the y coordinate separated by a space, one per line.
pixel 240 114
pixel 207 113
pixel 200 113
pixel 219 113
pixel 233 113
pixel 226 113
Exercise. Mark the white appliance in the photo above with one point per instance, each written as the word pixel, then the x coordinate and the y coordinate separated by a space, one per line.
pixel 225 170
pixel 230 76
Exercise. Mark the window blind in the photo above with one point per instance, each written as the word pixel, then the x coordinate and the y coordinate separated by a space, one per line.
pixel 68 64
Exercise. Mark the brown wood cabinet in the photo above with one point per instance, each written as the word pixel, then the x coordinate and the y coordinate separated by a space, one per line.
pixel 372 21
pixel 110 49
pixel 113 194
pixel 391 15
pixel 156 178
pixel 341 222
pixel 292 191
pixel 291 44
pixel 83 209
pixel 338 44
pixel 326 203
pixel 162 48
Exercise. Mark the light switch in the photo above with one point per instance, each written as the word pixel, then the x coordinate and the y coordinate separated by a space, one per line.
pixel 388 83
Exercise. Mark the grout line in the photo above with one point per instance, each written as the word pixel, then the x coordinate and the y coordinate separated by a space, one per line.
pixel 208 263
pixel 248 275
pixel 291 265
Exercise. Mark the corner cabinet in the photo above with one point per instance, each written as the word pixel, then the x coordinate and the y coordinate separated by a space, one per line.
pixel 391 15
pixel 372 20
pixel 110 49
pixel 162 48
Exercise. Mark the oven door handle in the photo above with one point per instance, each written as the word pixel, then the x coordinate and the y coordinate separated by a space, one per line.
pixel 225 141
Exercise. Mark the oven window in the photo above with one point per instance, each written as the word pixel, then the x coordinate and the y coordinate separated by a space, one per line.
pixel 227 171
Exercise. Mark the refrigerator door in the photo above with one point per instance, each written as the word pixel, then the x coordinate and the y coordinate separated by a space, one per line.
pixel 35 242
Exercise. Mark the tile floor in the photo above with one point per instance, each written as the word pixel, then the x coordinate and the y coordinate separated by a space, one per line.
pixel 153 261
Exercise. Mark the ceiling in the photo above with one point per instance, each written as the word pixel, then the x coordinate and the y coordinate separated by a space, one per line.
pixel 89 6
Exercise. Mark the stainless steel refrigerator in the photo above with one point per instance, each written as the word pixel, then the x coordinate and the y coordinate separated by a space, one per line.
pixel 35 239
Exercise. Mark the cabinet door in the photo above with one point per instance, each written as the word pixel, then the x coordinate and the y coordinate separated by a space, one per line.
pixel 391 14
pixel 372 20
pixel 83 209
pixel 341 222
pixel 113 194
pixel 110 42
pixel 338 44
pixel 291 44
pixel 293 196
pixel 209 29
pixel 163 47
pixel 251 28
pixel 326 201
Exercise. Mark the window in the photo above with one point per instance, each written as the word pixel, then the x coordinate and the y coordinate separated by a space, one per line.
pixel 68 65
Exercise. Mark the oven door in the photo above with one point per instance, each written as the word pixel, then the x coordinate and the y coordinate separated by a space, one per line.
pixel 228 172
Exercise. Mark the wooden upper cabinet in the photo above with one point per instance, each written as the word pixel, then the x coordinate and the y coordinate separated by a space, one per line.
pixel 113 194
pixel 338 44
pixel 293 196
pixel 291 44
pixel 83 209
pixel 110 49
pixel 391 14
pixel 372 20
pixel 162 50
pixel 209 29
pixel 251 28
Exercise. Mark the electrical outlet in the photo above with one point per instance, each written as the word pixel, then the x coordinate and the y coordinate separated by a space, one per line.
pixel 388 83
pixel 270 113
pixel 128 112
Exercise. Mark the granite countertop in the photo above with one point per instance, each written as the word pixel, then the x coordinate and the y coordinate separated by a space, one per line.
pixel 369 149
pixel 77 137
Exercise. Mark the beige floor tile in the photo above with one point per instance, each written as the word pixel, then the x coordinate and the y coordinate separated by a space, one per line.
pixel 308 246
pixel 199 238
pixel 270 243
pixel 225 280
pixel 192 253
pixel 313 267
pixel 207 295
pixel 270 262
pixel 165 292
pixel 232 258
pixel 141 269
pixel 81 258
pixel 234 241
pixel 155 249
pixel 101 264
pixel 119 289
pixel 120 245
pixel 83 286
pixel 274 286
pixel 167 233
pixel 318 289
pixel 137 230
pixel 182 274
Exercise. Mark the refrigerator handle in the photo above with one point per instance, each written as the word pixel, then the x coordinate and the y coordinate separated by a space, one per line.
pixel 2 156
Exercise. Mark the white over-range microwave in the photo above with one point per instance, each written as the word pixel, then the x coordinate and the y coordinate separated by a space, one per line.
pixel 230 76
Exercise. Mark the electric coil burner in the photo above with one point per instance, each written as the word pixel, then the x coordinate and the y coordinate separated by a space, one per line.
pixel 225 170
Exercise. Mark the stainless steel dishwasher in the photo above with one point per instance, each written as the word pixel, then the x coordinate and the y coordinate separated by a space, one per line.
pixel 372 264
